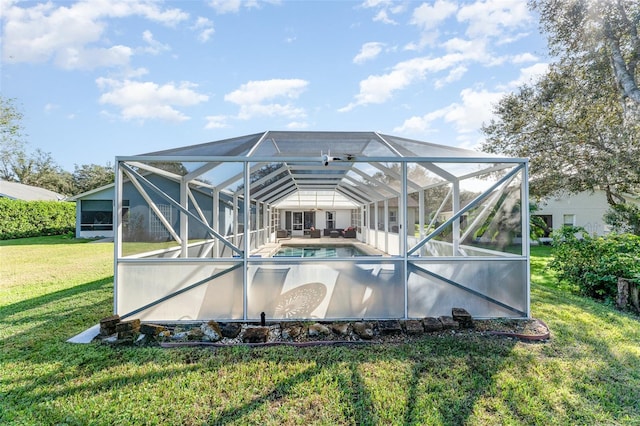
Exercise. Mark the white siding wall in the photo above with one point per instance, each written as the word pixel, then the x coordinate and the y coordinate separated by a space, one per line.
pixel 587 208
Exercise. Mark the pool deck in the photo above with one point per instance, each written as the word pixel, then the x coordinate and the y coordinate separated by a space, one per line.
pixel 269 249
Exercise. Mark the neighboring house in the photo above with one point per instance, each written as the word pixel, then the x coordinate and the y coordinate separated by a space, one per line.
pixel 19 191
pixel 585 209
pixel 94 211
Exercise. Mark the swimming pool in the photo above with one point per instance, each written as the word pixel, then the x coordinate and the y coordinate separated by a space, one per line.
pixel 318 251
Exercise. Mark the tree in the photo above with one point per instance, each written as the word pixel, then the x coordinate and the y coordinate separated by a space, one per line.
pixel 90 176
pixel 624 218
pixel 39 169
pixel 11 134
pixel 17 165
pixel 574 123
pixel 582 31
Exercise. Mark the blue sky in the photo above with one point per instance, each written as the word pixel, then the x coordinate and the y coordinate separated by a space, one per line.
pixel 101 78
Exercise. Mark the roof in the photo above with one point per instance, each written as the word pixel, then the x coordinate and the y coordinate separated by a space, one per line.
pixel 342 145
pixel 307 169
pixel 19 191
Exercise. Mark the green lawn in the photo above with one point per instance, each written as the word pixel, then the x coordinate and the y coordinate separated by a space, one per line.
pixel 53 288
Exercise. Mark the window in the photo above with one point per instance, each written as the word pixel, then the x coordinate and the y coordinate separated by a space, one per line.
pixel 331 220
pixel 393 217
pixel 156 227
pixel 569 220
pixel 96 215
pixel 355 218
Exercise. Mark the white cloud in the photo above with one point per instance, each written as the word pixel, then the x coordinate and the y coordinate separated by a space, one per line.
pixel 475 108
pixel 255 92
pixel 385 9
pixel 524 57
pixel 428 18
pixel 376 3
pixel 48 108
pixel 368 51
pixel 297 125
pixel 455 74
pixel 147 100
pixel 73 36
pixel 153 46
pixel 71 58
pixel 233 6
pixel 490 18
pixel 383 16
pixel 217 122
pixel 205 29
pixel 377 89
pixel 529 75
pixel 265 98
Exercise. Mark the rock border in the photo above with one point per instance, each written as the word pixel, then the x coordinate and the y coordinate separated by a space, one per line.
pixel 117 332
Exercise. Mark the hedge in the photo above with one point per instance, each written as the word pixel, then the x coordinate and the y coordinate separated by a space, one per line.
pixel 593 264
pixel 20 219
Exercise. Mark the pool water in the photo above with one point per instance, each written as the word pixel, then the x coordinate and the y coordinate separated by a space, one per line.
pixel 318 251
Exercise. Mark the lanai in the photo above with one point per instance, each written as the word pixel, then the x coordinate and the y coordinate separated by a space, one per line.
pixel 458 238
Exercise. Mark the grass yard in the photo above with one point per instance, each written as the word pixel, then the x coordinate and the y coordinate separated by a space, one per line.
pixel 53 288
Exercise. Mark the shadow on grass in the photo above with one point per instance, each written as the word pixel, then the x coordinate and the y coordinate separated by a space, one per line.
pixel 365 386
pixel 46 241
pixel 56 373
pixel 599 345
pixel 433 380
pixel 49 298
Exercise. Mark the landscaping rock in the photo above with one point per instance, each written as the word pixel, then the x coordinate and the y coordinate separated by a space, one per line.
pixel 230 330
pixel 151 329
pixel 431 324
pixel 255 335
pixel 364 330
pixel 108 325
pixel 291 330
pixel 181 335
pixel 413 327
pixel 211 331
pixel 391 327
pixel 448 323
pixel 340 328
pixel 462 317
pixel 318 329
pixel 195 334
pixel 145 340
pixel 130 325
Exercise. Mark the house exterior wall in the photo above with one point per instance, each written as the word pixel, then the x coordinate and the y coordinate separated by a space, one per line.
pixel 106 194
pixel 139 214
pixel 585 209
pixel 342 218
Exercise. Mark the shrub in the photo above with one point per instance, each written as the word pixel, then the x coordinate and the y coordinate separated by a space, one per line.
pixel 20 219
pixel 593 264
pixel 624 218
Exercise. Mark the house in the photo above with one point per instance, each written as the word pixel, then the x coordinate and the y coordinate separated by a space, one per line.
pixel 146 217
pixel 585 209
pixel 20 191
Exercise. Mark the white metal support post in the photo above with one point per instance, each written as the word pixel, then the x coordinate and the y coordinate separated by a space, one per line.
pixel 456 223
pixel 184 219
pixel 117 226
pixel 246 240
pixel 215 218
pixel 403 230
pixel 526 232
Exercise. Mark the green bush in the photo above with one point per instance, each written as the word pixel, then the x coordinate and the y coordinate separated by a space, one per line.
pixel 624 218
pixel 593 264
pixel 20 219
